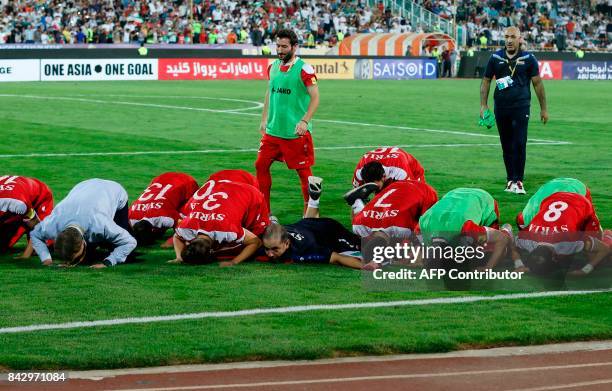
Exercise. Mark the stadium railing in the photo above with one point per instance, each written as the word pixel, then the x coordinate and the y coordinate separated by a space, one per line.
pixel 416 15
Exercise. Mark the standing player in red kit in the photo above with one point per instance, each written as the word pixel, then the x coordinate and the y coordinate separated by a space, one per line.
pixel 565 224
pixel 158 207
pixel 24 202
pixel 221 216
pixel 291 100
pixel 386 165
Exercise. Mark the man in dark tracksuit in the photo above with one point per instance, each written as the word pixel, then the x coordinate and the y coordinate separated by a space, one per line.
pixel 313 239
pixel 513 70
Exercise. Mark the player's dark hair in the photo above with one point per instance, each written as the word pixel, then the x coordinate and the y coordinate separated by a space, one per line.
pixel 198 252
pixel 275 231
pixel 67 244
pixel 372 171
pixel 143 232
pixel 289 34
pixel 541 260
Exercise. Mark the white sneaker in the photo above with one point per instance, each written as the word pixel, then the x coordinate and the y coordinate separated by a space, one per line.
pixel 509 187
pixel 518 188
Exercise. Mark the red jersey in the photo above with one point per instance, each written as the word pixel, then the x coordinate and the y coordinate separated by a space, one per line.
pixel 241 176
pixel 398 164
pixel 163 199
pixel 396 209
pixel 24 197
pixel 563 220
pixel 223 210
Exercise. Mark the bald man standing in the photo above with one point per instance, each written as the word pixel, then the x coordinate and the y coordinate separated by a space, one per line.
pixel 513 70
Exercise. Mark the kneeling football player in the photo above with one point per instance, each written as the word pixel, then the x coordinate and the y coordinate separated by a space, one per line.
pixel 222 217
pixel 158 207
pixel 387 165
pixel 466 216
pixel 564 225
pixel 24 202
pixel 313 239
pixel 94 213
pixel 393 213
pixel 568 185
pixel 237 175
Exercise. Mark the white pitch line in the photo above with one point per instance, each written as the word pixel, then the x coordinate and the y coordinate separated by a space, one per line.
pixel 173 97
pixel 286 310
pixel 236 112
pixel 460 133
pixel 257 105
pixel 243 150
pixel 153 105
pixel 129 153
pixel 380 377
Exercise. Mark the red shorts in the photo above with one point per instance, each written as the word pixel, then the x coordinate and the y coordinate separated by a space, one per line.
pixel 296 153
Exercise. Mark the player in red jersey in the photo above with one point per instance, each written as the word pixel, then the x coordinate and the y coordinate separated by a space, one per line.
pixel 221 216
pixel 241 176
pixel 566 224
pixel 393 213
pixel 24 202
pixel 387 164
pixel 158 207
pixel 395 210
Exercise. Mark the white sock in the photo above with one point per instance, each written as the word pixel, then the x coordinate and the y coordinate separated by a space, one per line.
pixel 357 206
pixel 313 203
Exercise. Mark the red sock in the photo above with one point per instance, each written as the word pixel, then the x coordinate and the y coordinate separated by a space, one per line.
pixel 304 173
pixel 264 178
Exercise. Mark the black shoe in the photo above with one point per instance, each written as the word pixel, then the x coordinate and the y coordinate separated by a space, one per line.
pixel 362 192
pixel 315 187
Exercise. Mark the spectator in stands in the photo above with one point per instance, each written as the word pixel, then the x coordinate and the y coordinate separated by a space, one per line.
pixel 29 34
pixel 446 63
pixel 550 25
pixel 165 21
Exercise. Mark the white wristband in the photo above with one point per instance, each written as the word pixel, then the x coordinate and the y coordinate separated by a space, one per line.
pixel 587 268
pixel 518 263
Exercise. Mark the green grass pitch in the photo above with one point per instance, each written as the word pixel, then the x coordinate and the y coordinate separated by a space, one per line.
pixel 169 117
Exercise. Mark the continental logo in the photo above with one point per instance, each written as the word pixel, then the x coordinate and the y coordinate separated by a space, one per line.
pixel 331 68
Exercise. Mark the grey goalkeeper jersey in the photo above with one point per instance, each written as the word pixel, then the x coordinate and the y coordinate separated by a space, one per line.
pixel 91 205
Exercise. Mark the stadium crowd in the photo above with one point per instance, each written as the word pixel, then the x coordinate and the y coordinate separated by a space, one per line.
pixel 547 24
pixel 213 22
